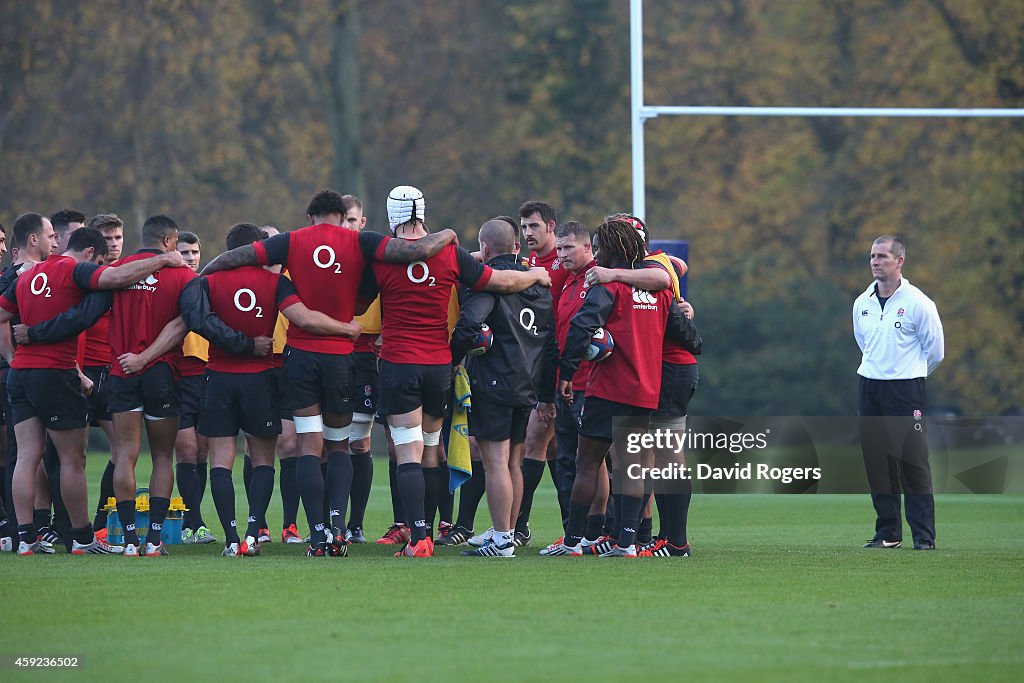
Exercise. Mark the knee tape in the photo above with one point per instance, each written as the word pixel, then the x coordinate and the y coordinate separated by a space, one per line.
pixel 432 438
pixel 677 424
pixel 308 424
pixel 362 426
pixel 336 433
pixel 403 435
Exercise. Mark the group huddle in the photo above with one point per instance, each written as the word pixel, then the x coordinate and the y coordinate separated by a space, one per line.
pixel 302 340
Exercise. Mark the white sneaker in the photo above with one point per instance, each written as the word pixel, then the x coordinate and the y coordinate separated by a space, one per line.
pixel 230 550
pixel 480 540
pixel 491 549
pixel 97 547
pixel 6 544
pixel 37 548
pixel 131 550
pixel 618 551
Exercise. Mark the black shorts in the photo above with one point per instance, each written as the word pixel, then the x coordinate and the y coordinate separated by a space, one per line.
pixel 98 400
pixel 191 388
pixel 53 396
pixel 239 401
pixel 600 418
pixel 678 382
pixel 406 387
pixel 323 379
pixel 364 382
pixel 494 421
pixel 283 411
pixel 155 391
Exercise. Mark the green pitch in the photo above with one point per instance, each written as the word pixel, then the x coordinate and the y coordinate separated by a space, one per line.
pixel 779 590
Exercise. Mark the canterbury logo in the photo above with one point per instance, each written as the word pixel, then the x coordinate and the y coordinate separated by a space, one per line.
pixel 642 296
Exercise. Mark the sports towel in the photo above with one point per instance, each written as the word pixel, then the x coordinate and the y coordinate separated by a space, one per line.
pixel 460 467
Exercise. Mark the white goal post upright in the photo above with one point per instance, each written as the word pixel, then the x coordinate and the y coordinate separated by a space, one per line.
pixel 640 112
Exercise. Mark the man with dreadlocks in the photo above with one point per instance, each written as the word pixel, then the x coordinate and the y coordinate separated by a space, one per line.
pixel 679 377
pixel 638 321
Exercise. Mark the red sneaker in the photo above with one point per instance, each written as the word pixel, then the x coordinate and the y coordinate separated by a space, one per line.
pixel 395 535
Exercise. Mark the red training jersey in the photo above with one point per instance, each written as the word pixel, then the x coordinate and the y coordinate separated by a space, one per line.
pixel 141 311
pixel 574 291
pixel 553 265
pixel 414 299
pixel 247 299
pixel 43 292
pixel 326 264
pixel 97 348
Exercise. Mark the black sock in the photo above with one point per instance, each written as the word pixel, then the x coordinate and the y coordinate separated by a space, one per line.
pixel 595 523
pixel 188 487
pixel 659 504
pixel 28 533
pixel 327 495
pixel 678 507
pixel 616 499
pixel 106 492
pixel 223 490
pixel 435 487
pixel 362 480
pixel 553 471
pixel 643 532
pixel 610 527
pixel 446 507
pixel 157 514
pixel 629 517
pixel 533 472
pixel 339 480
pixel 83 535
pixel 40 518
pixel 397 509
pixel 413 488
pixel 470 494
pixel 289 492
pixel 577 523
pixel 201 468
pixel 260 490
pixel 311 491
pixel 126 513
pixel 246 473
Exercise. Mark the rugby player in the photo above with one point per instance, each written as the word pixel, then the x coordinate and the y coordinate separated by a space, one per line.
pixel 45 386
pixel 241 387
pixel 146 332
pixel 191 449
pixel 325 262
pixel 415 357
pixel 638 321
pixel 506 381
pixel 538 221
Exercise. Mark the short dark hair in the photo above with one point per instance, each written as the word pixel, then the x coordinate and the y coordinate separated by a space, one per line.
pixel 351 202
pixel 65 217
pixel 188 237
pixel 896 246
pixel 574 228
pixel 83 238
pixel 499 236
pixel 326 202
pixel 242 234
pixel 547 214
pixel 24 225
pixel 105 221
pixel 156 228
pixel 508 219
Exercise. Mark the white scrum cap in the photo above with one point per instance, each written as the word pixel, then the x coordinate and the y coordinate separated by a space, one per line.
pixel 405 202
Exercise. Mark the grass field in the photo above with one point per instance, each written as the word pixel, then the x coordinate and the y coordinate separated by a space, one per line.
pixel 778 590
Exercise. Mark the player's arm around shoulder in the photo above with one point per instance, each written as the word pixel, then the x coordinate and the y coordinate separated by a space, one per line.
pixel 127 274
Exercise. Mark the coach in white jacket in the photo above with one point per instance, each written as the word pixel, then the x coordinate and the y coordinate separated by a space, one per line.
pixel 899 334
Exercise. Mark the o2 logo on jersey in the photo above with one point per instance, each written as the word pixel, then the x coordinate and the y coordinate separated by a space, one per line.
pixel 40 285
pixel 251 305
pixel 424 274
pixel 324 257
pixel 527 318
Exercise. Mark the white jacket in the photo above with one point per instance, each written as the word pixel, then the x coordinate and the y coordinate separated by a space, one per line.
pixel 903 341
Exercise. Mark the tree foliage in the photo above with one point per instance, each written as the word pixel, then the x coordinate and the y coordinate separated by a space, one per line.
pixel 222 112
